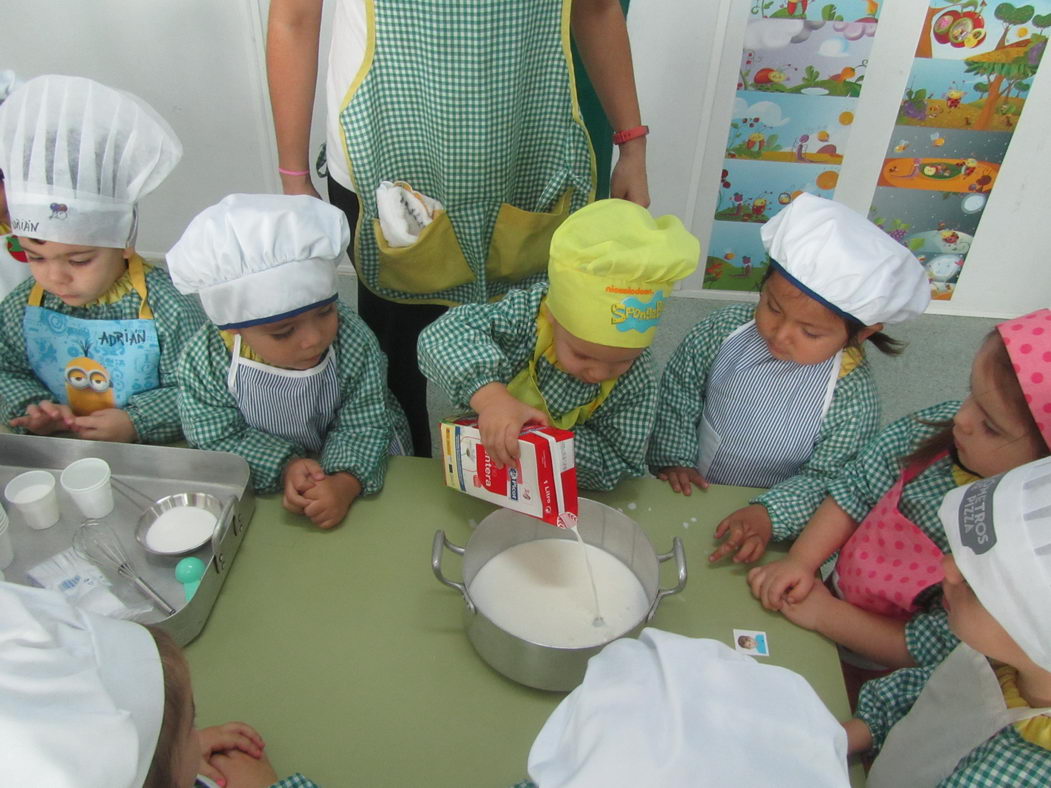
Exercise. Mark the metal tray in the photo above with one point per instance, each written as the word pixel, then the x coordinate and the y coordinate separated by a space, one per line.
pixel 155 471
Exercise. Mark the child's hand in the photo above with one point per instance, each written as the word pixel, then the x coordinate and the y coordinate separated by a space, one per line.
pixel 814 610
pixel 747 531
pixel 682 479
pixel 500 421
pixel 786 580
pixel 109 424
pixel 223 738
pixel 859 736
pixel 243 771
pixel 300 475
pixel 329 499
pixel 45 418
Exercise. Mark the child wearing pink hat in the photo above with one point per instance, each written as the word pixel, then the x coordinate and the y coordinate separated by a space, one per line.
pixel 881 513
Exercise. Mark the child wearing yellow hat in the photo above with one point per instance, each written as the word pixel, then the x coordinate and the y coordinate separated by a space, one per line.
pixel 573 353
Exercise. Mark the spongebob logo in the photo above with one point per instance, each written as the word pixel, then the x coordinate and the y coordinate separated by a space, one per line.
pixel 633 314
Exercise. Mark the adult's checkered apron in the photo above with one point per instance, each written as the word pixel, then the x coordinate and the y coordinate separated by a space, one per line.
pixel 470 102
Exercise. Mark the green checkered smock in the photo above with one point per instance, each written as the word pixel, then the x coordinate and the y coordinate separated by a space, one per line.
pixel 358 440
pixel 154 413
pixel 1005 760
pixel 852 419
pixel 928 637
pixel 296 780
pixel 472 104
pixel 477 344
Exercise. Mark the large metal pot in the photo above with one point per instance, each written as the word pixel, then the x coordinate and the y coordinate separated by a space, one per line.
pixel 527 662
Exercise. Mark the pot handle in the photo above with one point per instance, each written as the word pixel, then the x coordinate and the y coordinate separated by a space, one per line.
pixel 680 562
pixel 437 550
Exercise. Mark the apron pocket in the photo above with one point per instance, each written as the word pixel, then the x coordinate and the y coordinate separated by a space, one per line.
pixel 521 241
pixel 434 263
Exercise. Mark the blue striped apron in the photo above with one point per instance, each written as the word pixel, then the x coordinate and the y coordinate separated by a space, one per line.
pixel 298 405
pixel 762 416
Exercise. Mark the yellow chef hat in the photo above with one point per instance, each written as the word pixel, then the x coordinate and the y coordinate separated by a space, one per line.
pixel 612 267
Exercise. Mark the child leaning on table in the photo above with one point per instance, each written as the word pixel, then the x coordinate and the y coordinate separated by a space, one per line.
pixel 573 353
pixel 779 394
pixel 288 376
pixel 882 511
pixel 95 702
pixel 92 339
pixel 982 717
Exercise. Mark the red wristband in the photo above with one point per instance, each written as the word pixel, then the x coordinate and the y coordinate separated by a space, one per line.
pixel 620 137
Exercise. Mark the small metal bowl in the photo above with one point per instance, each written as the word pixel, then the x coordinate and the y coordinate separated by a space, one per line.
pixel 198 500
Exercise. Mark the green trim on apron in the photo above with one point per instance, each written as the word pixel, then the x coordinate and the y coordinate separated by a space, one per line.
pixel 525 387
pixel 471 103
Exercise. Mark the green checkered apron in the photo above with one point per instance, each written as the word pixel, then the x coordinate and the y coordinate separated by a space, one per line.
pixel 470 102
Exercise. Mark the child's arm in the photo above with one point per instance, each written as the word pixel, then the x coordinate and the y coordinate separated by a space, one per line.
pixel 611 445
pixel 674 446
pixel 20 389
pixel 473 346
pixel 154 414
pixel 869 634
pixel 211 419
pixel 791 578
pixel 859 737
pixel 851 422
pixel 884 701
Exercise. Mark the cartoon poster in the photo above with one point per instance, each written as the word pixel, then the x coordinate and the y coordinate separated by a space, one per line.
pixel 967 88
pixel 802 69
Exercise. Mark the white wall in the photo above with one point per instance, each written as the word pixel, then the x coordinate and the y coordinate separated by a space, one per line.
pixel 200 63
pixel 686 56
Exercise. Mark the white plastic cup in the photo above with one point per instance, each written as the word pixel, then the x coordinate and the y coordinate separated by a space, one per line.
pixel 7 552
pixel 87 482
pixel 33 496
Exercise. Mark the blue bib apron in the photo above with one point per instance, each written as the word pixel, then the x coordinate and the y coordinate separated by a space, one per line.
pixel 91 364
pixel 762 416
pixel 295 404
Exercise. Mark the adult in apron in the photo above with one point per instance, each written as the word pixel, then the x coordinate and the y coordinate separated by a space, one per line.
pixel 89 364
pixel 762 416
pixel 471 104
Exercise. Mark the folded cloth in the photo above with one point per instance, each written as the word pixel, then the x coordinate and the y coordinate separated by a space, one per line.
pixel 674 711
pixel 404 212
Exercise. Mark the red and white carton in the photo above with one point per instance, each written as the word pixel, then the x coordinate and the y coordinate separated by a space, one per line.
pixel 542 484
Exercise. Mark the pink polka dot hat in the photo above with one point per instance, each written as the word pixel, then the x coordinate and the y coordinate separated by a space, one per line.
pixel 1028 342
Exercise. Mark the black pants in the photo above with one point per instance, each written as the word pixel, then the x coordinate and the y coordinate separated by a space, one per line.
pixel 397 327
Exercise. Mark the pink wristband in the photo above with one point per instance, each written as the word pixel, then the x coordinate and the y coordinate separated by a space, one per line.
pixel 283 171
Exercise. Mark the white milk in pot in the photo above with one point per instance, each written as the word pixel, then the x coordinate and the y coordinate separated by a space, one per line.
pixel 540 591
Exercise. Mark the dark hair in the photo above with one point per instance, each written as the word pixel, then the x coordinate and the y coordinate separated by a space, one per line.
pixel 884 344
pixel 1006 381
pixel 173 721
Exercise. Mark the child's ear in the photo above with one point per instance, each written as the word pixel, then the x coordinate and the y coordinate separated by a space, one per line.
pixel 868 331
pixel 129 252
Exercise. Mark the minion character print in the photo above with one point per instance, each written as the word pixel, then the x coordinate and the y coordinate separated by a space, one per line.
pixel 89 386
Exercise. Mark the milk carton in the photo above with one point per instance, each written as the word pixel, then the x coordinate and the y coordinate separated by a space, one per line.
pixel 542 484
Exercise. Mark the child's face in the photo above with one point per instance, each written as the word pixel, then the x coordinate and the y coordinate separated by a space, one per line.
pixel 991 437
pixel 796 327
pixel 972 623
pixel 588 361
pixel 299 342
pixel 76 274
pixel 188 749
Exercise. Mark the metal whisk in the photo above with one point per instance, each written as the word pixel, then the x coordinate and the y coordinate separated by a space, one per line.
pixel 96 542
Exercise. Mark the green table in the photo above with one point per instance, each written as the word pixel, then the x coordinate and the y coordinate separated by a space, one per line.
pixel 351 659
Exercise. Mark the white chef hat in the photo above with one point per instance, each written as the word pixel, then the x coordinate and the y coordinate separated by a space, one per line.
pixel 999 531
pixel 666 709
pixel 845 262
pixel 81 696
pixel 259 258
pixel 77 156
